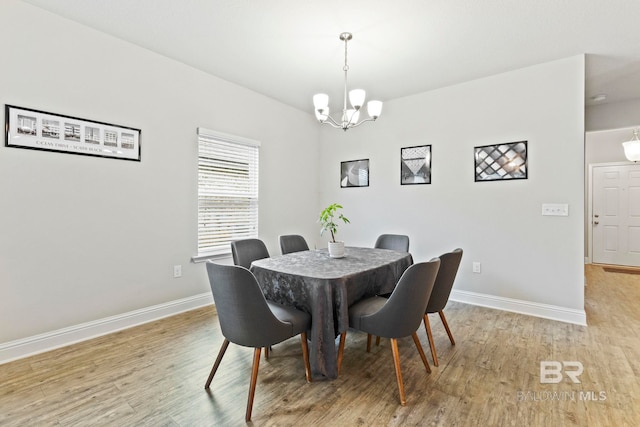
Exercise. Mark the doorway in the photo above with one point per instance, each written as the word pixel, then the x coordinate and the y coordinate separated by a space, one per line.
pixel 615 214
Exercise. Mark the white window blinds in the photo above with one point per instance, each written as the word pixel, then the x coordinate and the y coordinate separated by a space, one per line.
pixel 227 191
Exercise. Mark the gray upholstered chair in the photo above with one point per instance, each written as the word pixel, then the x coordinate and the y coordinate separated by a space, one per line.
pixel 449 264
pixel 395 242
pixel 248 319
pixel 246 251
pixel 292 243
pixel 398 316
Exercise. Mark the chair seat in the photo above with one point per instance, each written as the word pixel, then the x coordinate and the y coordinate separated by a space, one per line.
pixel 359 312
pixel 300 321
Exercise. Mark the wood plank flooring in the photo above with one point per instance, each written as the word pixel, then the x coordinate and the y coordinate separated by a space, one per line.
pixel 153 375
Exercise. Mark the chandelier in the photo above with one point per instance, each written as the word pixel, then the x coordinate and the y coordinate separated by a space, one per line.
pixel 350 116
pixel 632 148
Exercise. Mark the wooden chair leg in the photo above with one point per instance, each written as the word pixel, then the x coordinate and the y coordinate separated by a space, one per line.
pixel 416 340
pixel 305 356
pixel 225 344
pixel 343 337
pixel 446 327
pixel 254 380
pixel 368 343
pixel 377 340
pixel 396 365
pixel 266 352
pixel 432 345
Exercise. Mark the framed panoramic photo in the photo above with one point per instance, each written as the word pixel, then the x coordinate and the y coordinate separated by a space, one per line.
pixel 354 173
pixel 40 130
pixel 501 161
pixel 415 165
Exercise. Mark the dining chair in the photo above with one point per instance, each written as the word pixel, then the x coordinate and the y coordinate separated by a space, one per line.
pixel 395 242
pixel 248 319
pixel 398 316
pixel 449 264
pixel 245 251
pixel 292 243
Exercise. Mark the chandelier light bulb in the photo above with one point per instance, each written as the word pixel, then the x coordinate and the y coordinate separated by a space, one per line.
pixel 320 101
pixel 374 108
pixel 322 114
pixel 356 97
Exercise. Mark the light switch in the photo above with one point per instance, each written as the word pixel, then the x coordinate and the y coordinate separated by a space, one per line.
pixel 555 209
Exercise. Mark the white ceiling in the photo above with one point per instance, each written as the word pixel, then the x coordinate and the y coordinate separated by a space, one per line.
pixel 289 49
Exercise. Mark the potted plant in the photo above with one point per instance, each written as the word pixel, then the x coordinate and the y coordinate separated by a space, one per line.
pixel 328 218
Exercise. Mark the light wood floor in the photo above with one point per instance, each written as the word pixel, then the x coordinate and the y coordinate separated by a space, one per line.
pixel 153 375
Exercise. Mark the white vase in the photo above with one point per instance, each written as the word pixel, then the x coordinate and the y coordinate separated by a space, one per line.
pixel 336 249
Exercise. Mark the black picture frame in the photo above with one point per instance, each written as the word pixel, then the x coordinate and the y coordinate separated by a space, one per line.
pixel 41 130
pixel 415 165
pixel 354 173
pixel 501 162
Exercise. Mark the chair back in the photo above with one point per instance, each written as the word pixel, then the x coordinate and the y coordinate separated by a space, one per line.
pixel 293 243
pixel 244 315
pixel 246 251
pixel 401 315
pixel 449 264
pixel 395 242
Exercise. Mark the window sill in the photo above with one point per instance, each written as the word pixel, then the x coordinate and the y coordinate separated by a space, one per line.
pixel 204 258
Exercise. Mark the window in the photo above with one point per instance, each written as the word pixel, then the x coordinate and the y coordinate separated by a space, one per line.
pixel 227 191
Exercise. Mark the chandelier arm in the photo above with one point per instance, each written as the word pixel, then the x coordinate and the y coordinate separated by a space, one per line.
pixel 350 123
pixel 330 121
pixel 370 119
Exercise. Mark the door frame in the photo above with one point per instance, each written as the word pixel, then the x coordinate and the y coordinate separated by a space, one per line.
pixel 589 211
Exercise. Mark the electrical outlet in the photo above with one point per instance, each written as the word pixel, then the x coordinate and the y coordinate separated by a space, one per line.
pixel 177 271
pixel 477 267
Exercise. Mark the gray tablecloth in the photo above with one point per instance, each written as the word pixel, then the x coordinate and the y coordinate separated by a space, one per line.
pixel 325 287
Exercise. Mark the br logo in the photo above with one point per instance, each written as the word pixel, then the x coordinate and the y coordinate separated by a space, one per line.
pixel 551 371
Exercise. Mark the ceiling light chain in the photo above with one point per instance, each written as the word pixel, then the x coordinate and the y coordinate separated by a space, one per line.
pixel 349 116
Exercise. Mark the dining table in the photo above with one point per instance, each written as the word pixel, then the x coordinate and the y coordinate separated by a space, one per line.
pixel 325 287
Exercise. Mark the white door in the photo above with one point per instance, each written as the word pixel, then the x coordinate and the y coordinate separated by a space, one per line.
pixel 616 215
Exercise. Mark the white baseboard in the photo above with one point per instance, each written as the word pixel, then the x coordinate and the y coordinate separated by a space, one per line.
pixel 25 347
pixel 553 312
pixel 21 348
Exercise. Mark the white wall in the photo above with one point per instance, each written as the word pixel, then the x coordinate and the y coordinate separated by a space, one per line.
pixel 84 238
pixel 525 257
pixel 613 115
pixel 605 146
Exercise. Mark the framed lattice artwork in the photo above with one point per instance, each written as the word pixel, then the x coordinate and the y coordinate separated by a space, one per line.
pixel 501 161
pixel 415 165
